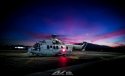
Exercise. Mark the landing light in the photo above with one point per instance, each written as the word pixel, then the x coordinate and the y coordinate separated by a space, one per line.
pixel 63 50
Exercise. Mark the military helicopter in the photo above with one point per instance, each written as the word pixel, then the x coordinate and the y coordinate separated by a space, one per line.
pixel 53 47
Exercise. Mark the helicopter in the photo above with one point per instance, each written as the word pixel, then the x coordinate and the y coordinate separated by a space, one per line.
pixel 53 47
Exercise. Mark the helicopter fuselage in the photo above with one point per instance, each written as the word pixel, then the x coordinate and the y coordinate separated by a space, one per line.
pixel 49 47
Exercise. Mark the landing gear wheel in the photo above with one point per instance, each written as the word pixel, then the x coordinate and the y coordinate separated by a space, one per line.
pixel 64 55
pixel 30 54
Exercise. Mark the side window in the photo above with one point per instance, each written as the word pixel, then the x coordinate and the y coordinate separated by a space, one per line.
pixel 47 46
pixel 54 47
pixel 66 47
pixel 61 46
pixel 57 47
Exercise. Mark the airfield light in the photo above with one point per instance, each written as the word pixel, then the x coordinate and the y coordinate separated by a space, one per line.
pixel 19 47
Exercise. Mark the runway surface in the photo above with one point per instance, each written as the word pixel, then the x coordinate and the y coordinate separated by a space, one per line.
pixel 19 64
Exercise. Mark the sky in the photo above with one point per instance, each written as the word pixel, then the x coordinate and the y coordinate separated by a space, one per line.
pixel 98 22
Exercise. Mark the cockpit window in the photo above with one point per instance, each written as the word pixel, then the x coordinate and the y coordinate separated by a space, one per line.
pixel 57 42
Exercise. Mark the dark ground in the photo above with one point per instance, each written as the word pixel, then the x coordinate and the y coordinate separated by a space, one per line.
pixel 17 63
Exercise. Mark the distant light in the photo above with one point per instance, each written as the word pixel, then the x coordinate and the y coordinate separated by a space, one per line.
pixel 19 47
